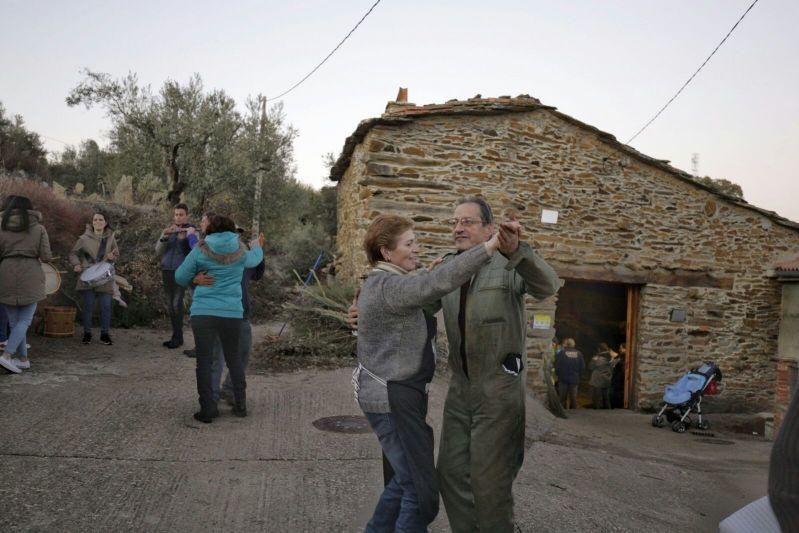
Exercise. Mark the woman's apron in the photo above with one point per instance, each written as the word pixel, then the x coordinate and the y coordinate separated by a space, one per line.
pixel 408 402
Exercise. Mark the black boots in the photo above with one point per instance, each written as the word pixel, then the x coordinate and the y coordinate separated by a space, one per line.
pixel 206 418
pixel 240 405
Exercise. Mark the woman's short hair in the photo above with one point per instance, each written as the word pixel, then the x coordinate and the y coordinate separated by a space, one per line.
pixel 384 231
pixel 220 224
pixel 19 205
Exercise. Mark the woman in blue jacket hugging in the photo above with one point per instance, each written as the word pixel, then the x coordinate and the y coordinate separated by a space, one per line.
pixel 216 310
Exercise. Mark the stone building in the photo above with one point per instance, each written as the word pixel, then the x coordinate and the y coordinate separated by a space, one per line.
pixel 677 269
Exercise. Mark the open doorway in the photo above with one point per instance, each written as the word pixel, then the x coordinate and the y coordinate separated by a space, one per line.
pixel 598 312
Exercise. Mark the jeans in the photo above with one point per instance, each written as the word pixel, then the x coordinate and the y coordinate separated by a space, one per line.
pixel 208 332
pixel 218 362
pixel 87 299
pixel 174 303
pixel 567 392
pixel 3 324
pixel 398 507
pixel 19 318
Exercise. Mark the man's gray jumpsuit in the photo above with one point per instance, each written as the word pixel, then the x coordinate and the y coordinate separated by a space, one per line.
pixel 482 439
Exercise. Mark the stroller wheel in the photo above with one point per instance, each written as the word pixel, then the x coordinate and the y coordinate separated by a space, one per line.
pixel 688 422
pixel 658 421
pixel 678 426
pixel 704 424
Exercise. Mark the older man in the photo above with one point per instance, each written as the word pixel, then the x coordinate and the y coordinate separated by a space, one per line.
pixel 482 440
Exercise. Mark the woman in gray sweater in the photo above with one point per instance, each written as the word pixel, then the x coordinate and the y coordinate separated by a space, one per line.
pixel 396 361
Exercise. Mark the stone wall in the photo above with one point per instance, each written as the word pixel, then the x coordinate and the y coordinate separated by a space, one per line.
pixel 620 219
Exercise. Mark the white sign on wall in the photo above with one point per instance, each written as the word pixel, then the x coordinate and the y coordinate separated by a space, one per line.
pixel 549 216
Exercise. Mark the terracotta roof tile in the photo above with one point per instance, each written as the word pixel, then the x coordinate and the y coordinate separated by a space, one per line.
pixel 788 265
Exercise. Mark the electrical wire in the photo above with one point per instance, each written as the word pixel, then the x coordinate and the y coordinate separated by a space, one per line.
pixel 694 74
pixel 284 93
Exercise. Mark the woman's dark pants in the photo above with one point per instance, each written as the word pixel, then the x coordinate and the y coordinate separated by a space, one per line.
pixel 208 330
pixel 87 301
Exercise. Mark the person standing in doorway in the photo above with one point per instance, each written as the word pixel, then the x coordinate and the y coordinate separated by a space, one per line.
pixel 569 367
pixel 599 367
pixel 617 378
pixel 173 247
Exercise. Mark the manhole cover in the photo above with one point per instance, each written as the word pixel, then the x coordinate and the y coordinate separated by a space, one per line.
pixel 714 441
pixel 343 424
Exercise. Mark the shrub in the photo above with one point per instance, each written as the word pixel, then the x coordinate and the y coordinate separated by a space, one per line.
pixel 319 333
pixel 63 219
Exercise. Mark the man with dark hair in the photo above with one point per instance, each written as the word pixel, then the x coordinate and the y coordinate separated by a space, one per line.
pixel 173 247
pixel 482 437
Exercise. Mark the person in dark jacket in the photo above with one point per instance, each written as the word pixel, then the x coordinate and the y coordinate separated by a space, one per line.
pixel 617 378
pixel 569 366
pixel 24 244
pixel 599 367
pixel 97 244
pixel 396 361
pixel 217 311
pixel 173 247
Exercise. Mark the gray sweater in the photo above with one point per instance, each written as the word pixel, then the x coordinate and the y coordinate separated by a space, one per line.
pixel 391 325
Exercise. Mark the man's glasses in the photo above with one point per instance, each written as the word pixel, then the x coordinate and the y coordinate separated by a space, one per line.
pixel 465 222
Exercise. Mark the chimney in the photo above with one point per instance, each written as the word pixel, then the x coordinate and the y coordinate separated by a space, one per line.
pixel 402 96
pixel 400 103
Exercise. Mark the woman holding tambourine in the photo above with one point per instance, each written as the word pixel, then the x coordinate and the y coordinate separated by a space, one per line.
pixel 93 257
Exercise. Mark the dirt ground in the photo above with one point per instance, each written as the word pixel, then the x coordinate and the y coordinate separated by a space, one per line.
pixel 98 438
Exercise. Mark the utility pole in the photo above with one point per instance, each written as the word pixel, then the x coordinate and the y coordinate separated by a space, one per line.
pixel 259 180
pixel 695 164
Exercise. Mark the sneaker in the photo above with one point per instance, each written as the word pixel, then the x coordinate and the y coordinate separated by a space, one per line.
pixel 21 364
pixel 10 366
pixel 190 353
pixel 87 338
pixel 172 344
pixel 106 339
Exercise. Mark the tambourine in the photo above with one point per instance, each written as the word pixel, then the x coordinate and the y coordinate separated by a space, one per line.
pixel 52 278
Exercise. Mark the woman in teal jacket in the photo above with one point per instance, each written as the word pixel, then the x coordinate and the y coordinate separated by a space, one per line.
pixel 216 310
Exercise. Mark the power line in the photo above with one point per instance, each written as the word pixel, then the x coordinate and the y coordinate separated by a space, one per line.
pixel 284 93
pixel 694 74
pixel 54 139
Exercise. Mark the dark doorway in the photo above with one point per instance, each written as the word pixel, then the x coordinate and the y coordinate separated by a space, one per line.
pixel 592 313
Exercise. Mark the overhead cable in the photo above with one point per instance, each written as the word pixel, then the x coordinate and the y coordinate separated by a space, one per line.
pixel 694 74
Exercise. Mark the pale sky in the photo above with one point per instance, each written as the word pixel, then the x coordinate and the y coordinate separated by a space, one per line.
pixel 609 63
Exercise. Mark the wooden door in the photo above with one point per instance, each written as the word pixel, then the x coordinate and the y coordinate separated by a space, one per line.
pixel 631 361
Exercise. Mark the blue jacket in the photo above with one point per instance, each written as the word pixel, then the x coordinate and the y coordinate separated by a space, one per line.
pixel 224 257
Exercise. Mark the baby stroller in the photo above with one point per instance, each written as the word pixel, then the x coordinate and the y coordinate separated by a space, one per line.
pixel 686 396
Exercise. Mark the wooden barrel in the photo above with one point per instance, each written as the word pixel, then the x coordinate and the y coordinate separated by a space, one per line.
pixel 59 321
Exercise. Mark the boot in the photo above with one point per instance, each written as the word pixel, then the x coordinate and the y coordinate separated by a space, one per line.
pixel 240 406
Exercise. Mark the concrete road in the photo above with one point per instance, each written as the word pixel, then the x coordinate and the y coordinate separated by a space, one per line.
pixel 102 439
